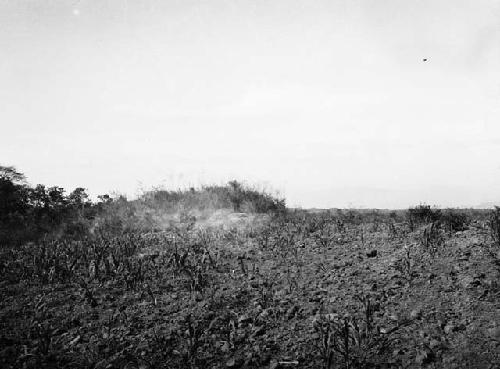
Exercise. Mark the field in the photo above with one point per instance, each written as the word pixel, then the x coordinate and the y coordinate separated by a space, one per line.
pixel 298 289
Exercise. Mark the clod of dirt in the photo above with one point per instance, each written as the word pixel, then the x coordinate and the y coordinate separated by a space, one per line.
pixel 233 363
pixel 291 312
pixel 416 314
pixel 244 319
pixel 424 357
pixel 274 364
pixel 224 346
pixel 258 331
pixel 494 333
pixel 449 328
pixel 372 253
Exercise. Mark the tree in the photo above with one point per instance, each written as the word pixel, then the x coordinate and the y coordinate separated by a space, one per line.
pixel 12 175
pixel 14 204
pixel 13 192
pixel 78 198
pixel 39 197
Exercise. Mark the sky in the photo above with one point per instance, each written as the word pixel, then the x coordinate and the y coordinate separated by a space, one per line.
pixel 330 103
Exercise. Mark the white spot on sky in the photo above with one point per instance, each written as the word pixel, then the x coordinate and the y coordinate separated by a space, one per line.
pixel 76 12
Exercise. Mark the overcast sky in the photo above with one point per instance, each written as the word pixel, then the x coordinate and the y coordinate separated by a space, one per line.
pixel 329 102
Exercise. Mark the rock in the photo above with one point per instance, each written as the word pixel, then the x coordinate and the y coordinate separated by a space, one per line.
pixel 315 298
pixel 258 331
pixel 384 330
pixel 213 323
pixel 274 364
pixel 372 253
pixel 394 317
pixel 265 358
pixel 225 346
pixel 92 269
pixel 248 359
pixel 424 357
pixel 398 352
pixel 416 314
pixel 434 343
pixel 233 363
pixel 265 313
pixel 291 312
pixel 494 333
pixel 441 324
pixel 244 319
pixel 466 281
pixel 75 340
pixel 449 328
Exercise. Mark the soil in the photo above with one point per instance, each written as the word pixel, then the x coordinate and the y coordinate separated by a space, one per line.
pixel 260 296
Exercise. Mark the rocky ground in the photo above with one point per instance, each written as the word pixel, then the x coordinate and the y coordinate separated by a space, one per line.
pixel 287 293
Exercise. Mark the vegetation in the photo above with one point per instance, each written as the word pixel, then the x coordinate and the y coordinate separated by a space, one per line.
pixel 422 214
pixel 33 213
pixel 494 224
pixel 288 289
pixel 30 213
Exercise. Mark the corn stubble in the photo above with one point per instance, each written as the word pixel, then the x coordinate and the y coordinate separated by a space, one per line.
pixel 296 290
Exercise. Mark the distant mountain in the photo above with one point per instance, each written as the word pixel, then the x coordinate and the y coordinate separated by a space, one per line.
pixel 487 205
pixel 357 197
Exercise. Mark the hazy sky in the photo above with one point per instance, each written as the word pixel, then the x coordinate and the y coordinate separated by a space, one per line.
pixel 329 102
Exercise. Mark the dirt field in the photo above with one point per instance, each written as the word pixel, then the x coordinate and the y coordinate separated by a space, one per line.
pixel 297 291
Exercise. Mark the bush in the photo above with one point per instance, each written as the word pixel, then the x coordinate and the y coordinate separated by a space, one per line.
pixel 31 213
pixel 234 195
pixel 422 214
pixel 455 220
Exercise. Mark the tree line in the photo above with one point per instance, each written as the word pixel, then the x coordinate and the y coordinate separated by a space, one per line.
pixel 28 213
